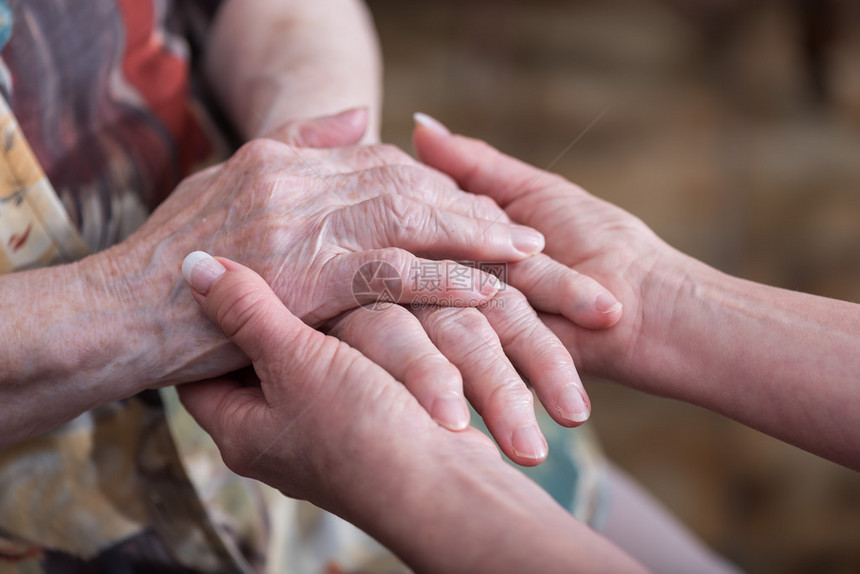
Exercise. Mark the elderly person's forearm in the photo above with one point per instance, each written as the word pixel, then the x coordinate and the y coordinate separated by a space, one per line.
pixel 117 322
pixel 273 61
pixel 77 338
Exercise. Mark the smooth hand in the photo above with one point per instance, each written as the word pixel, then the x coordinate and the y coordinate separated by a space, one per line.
pixel 584 233
pixel 327 425
pixel 689 332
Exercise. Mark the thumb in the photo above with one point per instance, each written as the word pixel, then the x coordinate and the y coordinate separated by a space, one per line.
pixel 223 407
pixel 343 129
pixel 476 166
pixel 243 305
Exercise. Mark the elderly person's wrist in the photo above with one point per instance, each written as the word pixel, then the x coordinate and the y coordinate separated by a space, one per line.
pixel 71 348
pixel 148 333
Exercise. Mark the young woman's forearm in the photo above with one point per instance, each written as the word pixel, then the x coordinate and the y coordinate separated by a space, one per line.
pixel 786 363
pixel 443 508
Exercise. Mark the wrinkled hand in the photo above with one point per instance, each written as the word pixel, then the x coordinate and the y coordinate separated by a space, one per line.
pixel 322 414
pixel 308 220
pixel 589 235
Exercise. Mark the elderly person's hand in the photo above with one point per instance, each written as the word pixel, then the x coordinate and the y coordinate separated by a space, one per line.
pixel 314 223
pixel 327 425
pixel 689 331
pixel 309 220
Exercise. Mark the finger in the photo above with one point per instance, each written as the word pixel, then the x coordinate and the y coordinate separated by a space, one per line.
pixel 491 383
pixel 245 308
pixel 243 305
pixel 475 165
pixel 395 340
pixel 538 354
pixel 343 129
pixel 382 277
pixel 570 336
pixel 393 220
pixel 222 405
pixel 556 288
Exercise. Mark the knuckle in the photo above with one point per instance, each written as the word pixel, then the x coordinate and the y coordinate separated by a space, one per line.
pixel 432 367
pixel 519 320
pixel 412 179
pixel 400 259
pixel 509 395
pixel 435 318
pixel 342 327
pixel 575 283
pixel 487 208
pixel 256 150
pixel 469 320
pixel 462 329
pixel 398 179
pixel 237 313
pixel 396 205
pixel 405 217
pixel 389 154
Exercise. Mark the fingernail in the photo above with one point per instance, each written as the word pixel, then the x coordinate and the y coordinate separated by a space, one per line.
pixel 572 405
pixel 431 123
pixel 607 304
pixel 201 270
pixel 528 442
pixel 451 412
pixel 490 284
pixel 527 240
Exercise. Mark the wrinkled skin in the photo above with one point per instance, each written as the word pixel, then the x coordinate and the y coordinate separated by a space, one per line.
pixel 307 220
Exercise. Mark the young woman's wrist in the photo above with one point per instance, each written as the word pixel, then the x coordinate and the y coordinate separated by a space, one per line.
pixel 680 298
pixel 447 502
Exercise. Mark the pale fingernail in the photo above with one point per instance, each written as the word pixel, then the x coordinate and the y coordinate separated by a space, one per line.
pixel 572 405
pixel 490 284
pixel 431 123
pixel 607 304
pixel 528 442
pixel 201 270
pixel 527 240
pixel 451 412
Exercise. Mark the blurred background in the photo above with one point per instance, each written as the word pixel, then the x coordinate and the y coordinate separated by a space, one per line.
pixel 733 129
